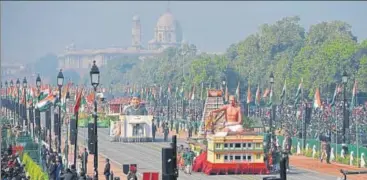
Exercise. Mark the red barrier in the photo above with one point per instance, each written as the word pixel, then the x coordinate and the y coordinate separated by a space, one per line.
pixel 150 176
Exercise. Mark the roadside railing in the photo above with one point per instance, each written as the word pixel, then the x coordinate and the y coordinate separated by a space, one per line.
pixel 345 173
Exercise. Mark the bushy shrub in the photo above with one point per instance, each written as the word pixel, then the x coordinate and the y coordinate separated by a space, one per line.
pixel 33 169
pixel 346 160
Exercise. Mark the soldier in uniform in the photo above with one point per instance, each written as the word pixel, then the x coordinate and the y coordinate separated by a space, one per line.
pixel 323 150
pixel 165 131
pixel 190 128
pixel 287 146
pixel 154 130
pixel 132 173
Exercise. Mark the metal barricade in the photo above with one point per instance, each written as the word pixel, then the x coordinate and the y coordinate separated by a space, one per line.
pixel 345 173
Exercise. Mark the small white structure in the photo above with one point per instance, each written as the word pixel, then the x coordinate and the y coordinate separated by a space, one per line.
pixel 332 155
pixel 342 153
pixel 313 151
pixel 307 147
pixel 298 148
pixel 363 162
pixel 132 129
pixel 351 158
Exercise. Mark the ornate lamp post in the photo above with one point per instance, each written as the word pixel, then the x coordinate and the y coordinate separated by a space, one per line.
pixel 25 102
pixel 67 98
pixel 18 107
pixel 271 80
pixel 94 77
pixel 60 82
pixel 38 118
pixel 13 102
pixel 6 97
pixel 345 112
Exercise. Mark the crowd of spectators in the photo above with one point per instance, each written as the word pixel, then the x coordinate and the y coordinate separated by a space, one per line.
pixel 11 166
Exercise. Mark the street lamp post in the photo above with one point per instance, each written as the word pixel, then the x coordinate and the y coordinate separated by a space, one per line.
pixel 67 133
pixel 25 102
pixel 271 80
pixel 60 82
pixel 345 113
pixel 38 85
pixel 18 107
pixel 94 76
pixel 6 97
pixel 13 103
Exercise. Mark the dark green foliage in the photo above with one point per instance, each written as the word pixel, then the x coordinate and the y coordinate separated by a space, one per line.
pixel 318 56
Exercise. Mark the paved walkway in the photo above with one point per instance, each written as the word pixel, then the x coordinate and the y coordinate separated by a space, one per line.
pixel 330 169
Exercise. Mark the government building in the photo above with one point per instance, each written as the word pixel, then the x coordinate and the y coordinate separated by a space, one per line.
pixel 167 33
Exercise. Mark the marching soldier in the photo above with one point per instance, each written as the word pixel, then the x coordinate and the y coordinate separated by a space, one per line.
pixel 323 150
pixel 328 151
pixel 154 129
pixel 287 146
pixel 165 131
pixel 132 173
pixel 190 128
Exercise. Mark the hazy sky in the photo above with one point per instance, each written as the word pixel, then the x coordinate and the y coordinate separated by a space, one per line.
pixel 30 30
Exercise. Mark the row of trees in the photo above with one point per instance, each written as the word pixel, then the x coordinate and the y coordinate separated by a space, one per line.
pixel 318 56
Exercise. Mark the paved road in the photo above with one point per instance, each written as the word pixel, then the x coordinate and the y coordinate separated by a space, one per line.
pixel 148 157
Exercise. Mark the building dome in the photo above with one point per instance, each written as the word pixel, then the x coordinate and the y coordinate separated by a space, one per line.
pixel 167 20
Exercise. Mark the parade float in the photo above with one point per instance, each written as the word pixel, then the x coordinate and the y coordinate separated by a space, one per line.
pixel 132 127
pixel 223 152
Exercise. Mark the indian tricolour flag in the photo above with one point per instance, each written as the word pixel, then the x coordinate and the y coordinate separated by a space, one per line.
pixel 317 99
pixel 46 102
pixel 249 96
pixel 31 95
pixel 44 93
pixel 258 96
pixel 353 102
pixel 298 93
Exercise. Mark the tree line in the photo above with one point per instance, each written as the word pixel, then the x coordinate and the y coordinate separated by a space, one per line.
pixel 317 56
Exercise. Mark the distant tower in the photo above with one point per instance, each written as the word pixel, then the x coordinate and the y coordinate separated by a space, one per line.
pixel 136 32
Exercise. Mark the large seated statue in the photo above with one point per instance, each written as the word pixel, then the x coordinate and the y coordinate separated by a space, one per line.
pixel 136 108
pixel 233 116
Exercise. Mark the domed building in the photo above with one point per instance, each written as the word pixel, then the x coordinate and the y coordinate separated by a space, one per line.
pixel 167 33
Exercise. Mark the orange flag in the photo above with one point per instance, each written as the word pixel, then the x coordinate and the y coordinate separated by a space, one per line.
pixel 249 98
pixel 317 99
pixel 78 100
